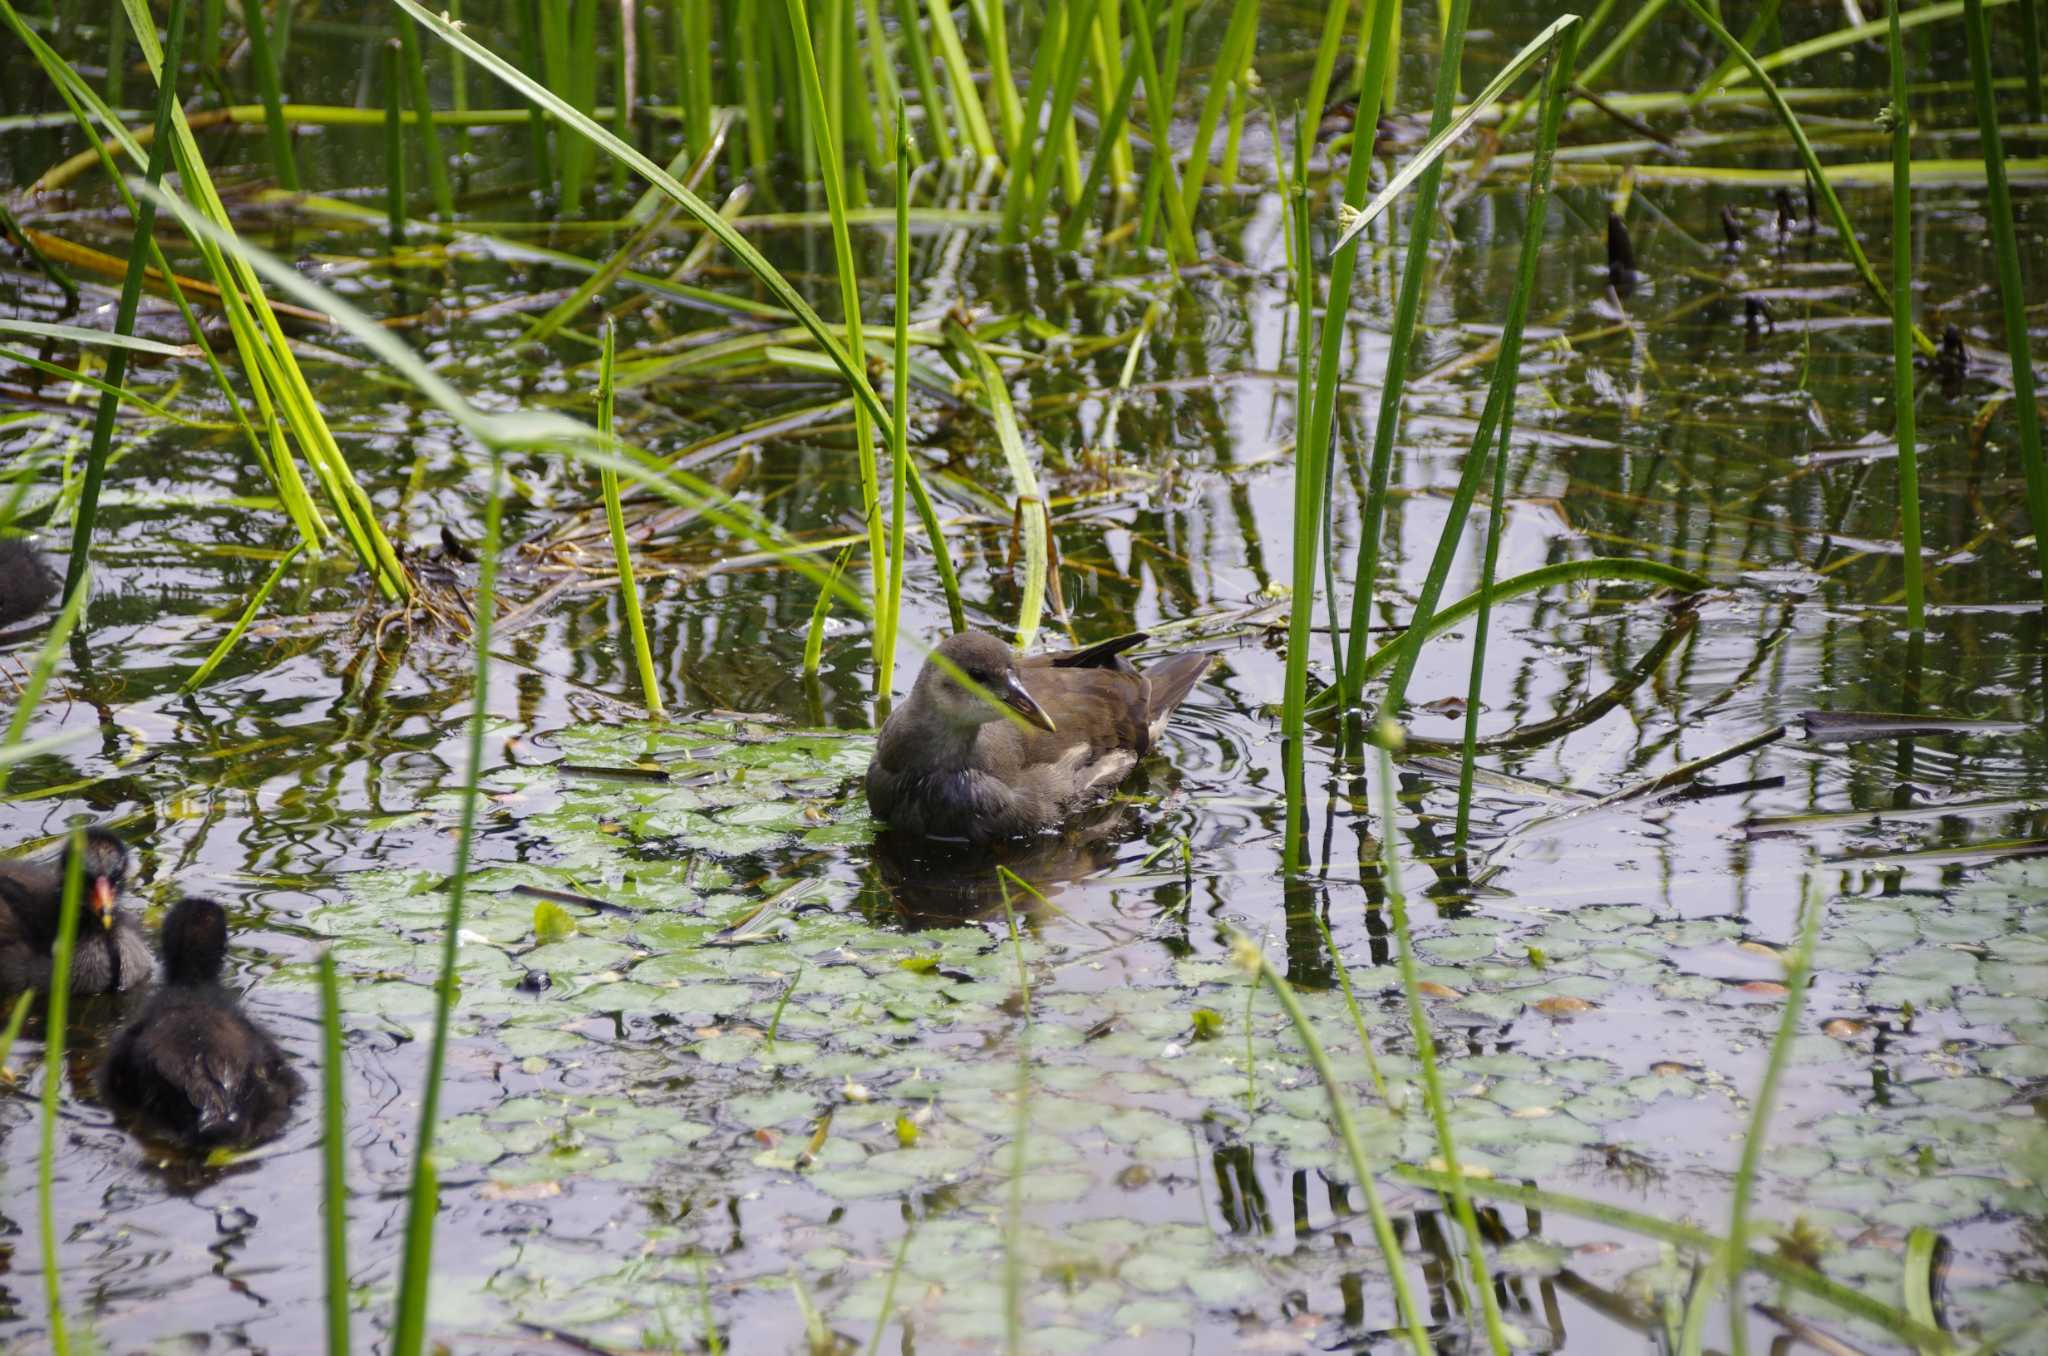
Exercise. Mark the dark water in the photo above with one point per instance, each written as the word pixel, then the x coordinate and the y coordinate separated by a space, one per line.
pixel 628 1147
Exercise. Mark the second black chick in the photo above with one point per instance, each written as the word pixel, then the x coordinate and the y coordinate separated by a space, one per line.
pixel 108 952
pixel 192 1067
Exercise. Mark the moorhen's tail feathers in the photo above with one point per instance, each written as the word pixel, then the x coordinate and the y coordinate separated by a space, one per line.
pixel 1171 679
pixel 1103 654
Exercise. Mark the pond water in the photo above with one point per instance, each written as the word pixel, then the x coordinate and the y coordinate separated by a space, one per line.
pixel 860 1109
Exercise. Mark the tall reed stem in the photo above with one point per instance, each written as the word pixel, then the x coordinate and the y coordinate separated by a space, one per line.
pixel 615 517
pixel 86 516
pixel 57 1016
pixel 264 59
pixel 2011 289
pixel 333 1154
pixel 409 1324
pixel 1902 325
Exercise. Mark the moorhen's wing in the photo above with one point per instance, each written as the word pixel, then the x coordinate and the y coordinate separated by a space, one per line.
pixel 1103 654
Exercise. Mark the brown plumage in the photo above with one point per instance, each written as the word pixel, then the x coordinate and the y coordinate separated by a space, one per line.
pixel 951 767
pixel 108 952
pixel 192 1067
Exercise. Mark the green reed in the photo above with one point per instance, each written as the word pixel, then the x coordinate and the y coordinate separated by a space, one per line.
pixel 248 615
pixel 2011 287
pixel 615 518
pixel 333 1158
pixel 832 163
pixel 86 516
pixel 264 59
pixel 1407 306
pixel 1418 1020
pixel 899 422
pixel 1250 958
pixel 56 1019
pixel 1180 234
pixel 29 695
pixel 1314 419
pixel 430 136
pixel 394 140
pixel 1902 324
pixel 409 1318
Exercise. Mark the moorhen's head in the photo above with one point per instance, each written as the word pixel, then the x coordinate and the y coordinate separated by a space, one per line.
pixel 195 941
pixel 104 869
pixel 984 660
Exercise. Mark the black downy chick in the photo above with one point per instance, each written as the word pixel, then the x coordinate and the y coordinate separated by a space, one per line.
pixel 192 1067
pixel 26 582
pixel 108 952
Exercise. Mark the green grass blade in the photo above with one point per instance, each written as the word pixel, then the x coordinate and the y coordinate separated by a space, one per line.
pixel 333 1157
pixel 1433 151
pixel 1238 40
pixel 700 211
pixel 1111 136
pixel 2011 287
pixel 1159 109
pixel 1425 1041
pixel 1030 502
pixel 409 1320
pixel 30 694
pixel 241 626
pixel 1916 1283
pixel 814 634
pixel 960 80
pixel 12 1031
pixel 622 552
pixel 86 516
pixel 935 119
pixel 265 62
pixel 864 419
pixel 57 1017
pixel 394 140
pixel 1902 325
pixel 899 423
pixel 423 104
pixel 1251 958
pixel 1611 569
pixel 1407 305
pixel 1851 35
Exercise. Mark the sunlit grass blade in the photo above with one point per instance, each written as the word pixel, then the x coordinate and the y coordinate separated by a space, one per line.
pixel 919 56
pixel 899 423
pixel 2012 294
pixel 832 154
pixel 1425 1042
pixel 615 517
pixel 1432 152
pixel 1159 110
pixel 85 517
pixel 1902 325
pixel 699 210
pixel 1248 955
pixel 1030 502
pixel 1235 52
pixel 241 626
pixel 814 634
pixel 56 1019
pixel 960 81
pixel 409 1319
pixel 333 1158
pixel 12 1031
pixel 1401 338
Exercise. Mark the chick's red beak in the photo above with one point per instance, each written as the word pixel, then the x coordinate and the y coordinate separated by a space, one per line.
pixel 102 901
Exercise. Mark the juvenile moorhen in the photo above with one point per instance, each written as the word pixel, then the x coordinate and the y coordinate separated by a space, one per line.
pixel 952 767
pixel 191 1067
pixel 109 951
pixel 26 583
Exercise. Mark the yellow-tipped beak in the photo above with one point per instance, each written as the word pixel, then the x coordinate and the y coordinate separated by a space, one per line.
pixel 1024 704
pixel 102 902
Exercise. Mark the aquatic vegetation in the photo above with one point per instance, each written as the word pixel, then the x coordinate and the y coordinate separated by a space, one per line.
pixel 500 623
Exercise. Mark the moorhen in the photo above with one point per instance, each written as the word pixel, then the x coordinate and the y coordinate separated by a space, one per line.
pixel 192 1067
pixel 26 583
pixel 952 767
pixel 112 955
